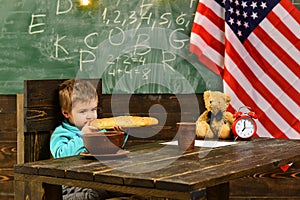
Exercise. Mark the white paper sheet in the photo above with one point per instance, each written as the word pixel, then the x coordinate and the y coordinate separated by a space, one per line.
pixel 204 143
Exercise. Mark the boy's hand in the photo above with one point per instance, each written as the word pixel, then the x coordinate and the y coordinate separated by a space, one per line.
pixel 89 129
pixel 118 128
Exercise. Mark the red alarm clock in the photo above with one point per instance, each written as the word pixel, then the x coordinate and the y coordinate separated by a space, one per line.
pixel 244 125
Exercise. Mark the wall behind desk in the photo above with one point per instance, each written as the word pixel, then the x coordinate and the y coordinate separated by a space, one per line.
pixel 139 46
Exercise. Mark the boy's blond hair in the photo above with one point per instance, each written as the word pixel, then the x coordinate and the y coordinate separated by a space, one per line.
pixel 75 90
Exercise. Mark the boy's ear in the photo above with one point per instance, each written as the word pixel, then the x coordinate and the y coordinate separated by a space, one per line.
pixel 65 113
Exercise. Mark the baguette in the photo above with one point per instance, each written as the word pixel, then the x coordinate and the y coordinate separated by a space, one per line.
pixel 124 121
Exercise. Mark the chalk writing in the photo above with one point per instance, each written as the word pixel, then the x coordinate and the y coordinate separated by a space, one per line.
pixel 34 24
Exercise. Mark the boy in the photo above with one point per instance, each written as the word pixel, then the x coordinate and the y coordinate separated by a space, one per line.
pixel 78 100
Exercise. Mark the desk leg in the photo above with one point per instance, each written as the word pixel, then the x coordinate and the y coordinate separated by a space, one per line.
pixel 28 187
pixel 218 192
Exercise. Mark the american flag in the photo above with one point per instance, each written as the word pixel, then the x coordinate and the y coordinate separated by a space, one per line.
pixel 254 46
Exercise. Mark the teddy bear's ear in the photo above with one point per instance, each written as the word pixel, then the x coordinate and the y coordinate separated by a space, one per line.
pixel 206 94
pixel 227 98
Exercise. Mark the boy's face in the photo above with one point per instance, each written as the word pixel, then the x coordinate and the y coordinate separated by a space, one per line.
pixel 82 113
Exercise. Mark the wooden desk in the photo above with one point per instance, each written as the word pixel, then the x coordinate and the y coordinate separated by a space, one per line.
pixel 157 170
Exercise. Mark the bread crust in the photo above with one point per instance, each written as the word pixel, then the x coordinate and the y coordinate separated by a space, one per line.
pixel 124 122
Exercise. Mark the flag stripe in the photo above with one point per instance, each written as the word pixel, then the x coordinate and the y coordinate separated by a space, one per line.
pixel 285 16
pixel 279 58
pixel 208 51
pixel 205 11
pixel 212 58
pixel 287 44
pixel 210 40
pixel 215 7
pixel 206 60
pixel 287 31
pixel 292 11
pixel 287 57
pixel 283 35
pixel 259 54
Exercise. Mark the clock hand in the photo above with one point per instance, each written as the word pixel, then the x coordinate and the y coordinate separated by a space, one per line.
pixel 244 126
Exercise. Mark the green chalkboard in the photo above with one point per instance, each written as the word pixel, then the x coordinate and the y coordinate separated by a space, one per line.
pixel 135 46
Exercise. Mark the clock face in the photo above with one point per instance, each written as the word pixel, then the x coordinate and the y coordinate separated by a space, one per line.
pixel 244 127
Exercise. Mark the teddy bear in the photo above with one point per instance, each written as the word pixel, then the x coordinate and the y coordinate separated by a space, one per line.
pixel 215 122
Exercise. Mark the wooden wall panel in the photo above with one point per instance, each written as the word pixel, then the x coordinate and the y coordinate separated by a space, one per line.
pixel 8 145
pixel 8 153
pixel 8 111
pixel 36 146
pixel 6 184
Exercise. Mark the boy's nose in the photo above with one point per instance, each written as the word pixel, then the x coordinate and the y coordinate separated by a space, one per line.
pixel 90 115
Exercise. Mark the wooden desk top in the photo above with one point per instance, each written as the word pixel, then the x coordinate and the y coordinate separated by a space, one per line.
pixel 164 167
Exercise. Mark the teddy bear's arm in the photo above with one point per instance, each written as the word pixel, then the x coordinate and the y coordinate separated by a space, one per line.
pixel 229 117
pixel 202 126
pixel 204 117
